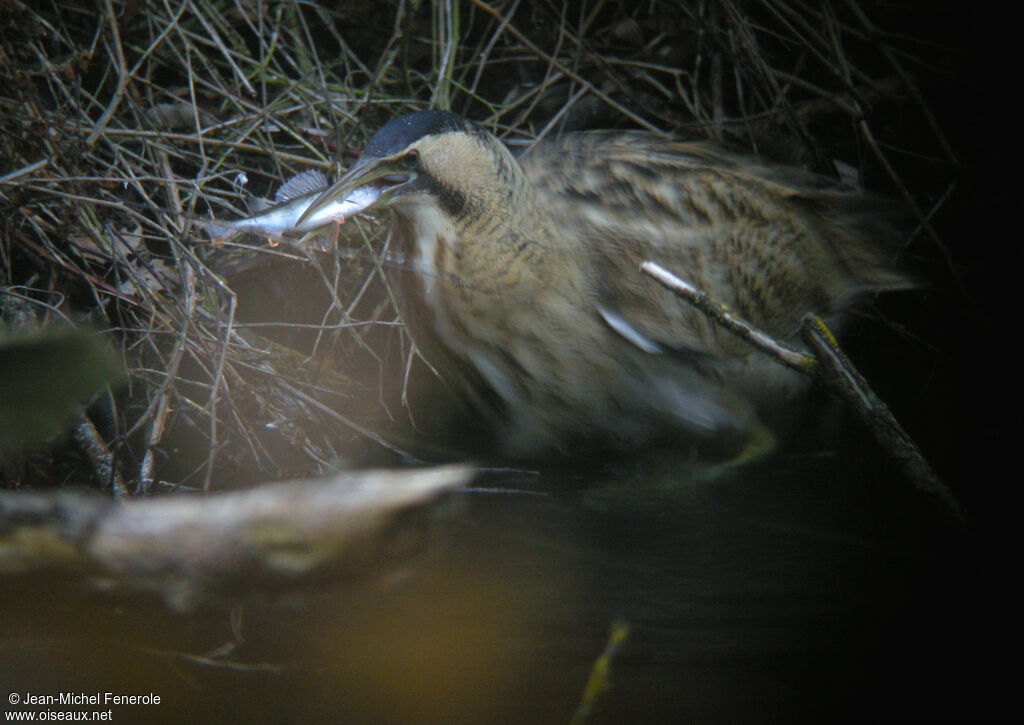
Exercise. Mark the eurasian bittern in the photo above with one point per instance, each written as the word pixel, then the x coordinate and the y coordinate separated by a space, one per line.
pixel 522 285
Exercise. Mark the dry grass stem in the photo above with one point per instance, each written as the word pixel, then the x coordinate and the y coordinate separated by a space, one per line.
pixel 122 128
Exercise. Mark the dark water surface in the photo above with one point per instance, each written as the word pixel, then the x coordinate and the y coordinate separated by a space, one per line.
pixel 808 588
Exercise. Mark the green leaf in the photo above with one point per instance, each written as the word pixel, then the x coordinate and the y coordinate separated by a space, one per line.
pixel 44 378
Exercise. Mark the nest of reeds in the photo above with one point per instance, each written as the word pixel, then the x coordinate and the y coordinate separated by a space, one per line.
pixel 122 127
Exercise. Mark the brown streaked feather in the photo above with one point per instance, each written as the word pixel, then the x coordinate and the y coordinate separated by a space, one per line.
pixel 770 242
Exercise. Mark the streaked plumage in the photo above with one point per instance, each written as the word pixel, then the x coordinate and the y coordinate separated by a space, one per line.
pixel 524 287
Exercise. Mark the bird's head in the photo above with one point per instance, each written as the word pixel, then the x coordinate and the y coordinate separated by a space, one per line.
pixel 429 157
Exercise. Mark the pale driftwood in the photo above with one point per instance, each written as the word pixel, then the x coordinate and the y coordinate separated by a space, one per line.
pixel 188 546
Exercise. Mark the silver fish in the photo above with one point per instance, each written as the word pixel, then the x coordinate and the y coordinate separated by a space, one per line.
pixel 280 220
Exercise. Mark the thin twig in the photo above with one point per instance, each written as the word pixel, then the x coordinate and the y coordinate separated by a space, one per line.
pixel 123 77
pixel 99 454
pixel 794 359
pixel 829 366
pixel 839 375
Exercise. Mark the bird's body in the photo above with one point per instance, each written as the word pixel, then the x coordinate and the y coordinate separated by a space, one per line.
pixel 523 285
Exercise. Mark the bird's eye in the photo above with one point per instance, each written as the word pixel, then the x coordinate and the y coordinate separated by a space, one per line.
pixel 411 159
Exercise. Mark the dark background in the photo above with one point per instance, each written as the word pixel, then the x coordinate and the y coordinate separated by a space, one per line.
pixel 820 594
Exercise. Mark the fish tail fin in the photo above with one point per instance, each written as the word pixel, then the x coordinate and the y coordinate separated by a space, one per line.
pixel 218 232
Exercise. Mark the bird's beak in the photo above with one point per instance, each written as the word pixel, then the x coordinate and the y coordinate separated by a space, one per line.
pixel 384 173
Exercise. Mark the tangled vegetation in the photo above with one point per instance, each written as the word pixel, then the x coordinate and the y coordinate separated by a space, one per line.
pixel 120 129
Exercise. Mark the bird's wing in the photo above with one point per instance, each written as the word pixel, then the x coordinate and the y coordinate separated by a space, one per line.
pixel 629 198
pixel 769 243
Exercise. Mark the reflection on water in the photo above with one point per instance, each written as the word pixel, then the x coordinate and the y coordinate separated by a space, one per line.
pixel 802 589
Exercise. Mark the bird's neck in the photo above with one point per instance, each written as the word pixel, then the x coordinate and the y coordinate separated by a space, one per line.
pixel 491 233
